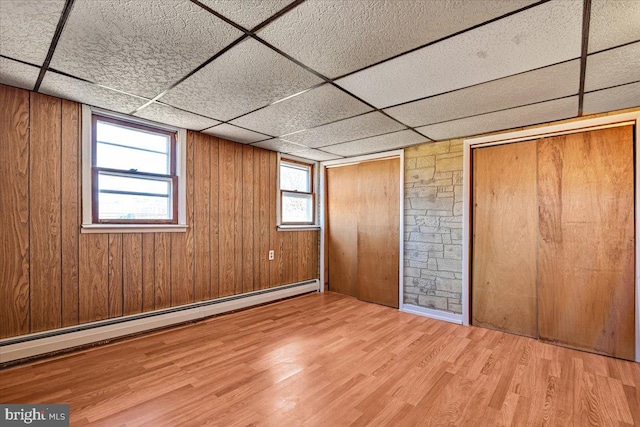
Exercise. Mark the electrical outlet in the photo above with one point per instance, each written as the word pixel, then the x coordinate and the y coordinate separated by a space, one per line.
pixel 272 255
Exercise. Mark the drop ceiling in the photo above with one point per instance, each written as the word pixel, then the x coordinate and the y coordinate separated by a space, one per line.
pixel 325 79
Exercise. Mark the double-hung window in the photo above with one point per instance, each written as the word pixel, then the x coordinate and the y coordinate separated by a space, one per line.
pixel 296 193
pixel 133 173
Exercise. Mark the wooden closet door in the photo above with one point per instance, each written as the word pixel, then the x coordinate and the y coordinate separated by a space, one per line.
pixel 504 238
pixel 342 224
pixel 586 238
pixel 378 211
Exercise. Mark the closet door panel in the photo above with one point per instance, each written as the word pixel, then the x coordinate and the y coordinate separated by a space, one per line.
pixel 342 222
pixel 504 238
pixel 586 241
pixel 378 211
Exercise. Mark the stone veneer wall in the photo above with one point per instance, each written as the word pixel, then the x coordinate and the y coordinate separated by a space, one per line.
pixel 433 226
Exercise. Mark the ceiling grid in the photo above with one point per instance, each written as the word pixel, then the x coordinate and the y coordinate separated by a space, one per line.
pixel 325 79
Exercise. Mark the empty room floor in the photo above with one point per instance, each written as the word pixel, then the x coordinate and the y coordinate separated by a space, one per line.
pixel 331 360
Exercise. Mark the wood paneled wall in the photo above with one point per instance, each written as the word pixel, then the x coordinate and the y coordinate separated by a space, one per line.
pixel 54 276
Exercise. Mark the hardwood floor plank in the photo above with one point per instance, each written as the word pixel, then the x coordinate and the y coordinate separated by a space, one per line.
pixel 328 359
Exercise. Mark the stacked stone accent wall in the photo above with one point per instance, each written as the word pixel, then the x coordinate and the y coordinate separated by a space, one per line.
pixel 433 226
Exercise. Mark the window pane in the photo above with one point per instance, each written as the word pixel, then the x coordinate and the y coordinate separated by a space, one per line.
pixel 295 177
pixel 124 197
pixel 108 182
pixel 125 206
pixel 114 157
pixel 297 208
pixel 135 138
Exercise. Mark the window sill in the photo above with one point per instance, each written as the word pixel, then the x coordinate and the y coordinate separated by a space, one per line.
pixel 298 227
pixel 133 228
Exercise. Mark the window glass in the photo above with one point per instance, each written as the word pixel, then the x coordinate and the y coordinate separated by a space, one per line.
pixel 295 177
pixel 297 208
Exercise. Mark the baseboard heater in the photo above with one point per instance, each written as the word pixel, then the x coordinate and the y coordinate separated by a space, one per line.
pixel 27 346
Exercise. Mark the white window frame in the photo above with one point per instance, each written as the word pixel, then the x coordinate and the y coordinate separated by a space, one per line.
pixel 314 191
pixel 181 155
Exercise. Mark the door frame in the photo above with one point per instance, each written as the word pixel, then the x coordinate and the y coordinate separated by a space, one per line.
pixel 574 126
pixel 323 206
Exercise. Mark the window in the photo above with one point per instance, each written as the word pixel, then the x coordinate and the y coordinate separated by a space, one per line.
pixel 134 177
pixel 296 193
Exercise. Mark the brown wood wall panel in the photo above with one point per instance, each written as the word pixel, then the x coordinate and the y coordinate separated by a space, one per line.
pixel 202 216
pixel 586 256
pixel 14 208
pixel 132 273
pixel 264 220
pixel 162 289
pixel 247 218
pixel 78 278
pixel 94 277
pixel 227 220
pixel 504 291
pixel 45 212
pixel 71 215
pixel 237 219
pixel 148 272
pixel 214 242
pixel 116 293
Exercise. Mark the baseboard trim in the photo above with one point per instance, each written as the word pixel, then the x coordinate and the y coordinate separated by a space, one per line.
pixel 433 314
pixel 27 346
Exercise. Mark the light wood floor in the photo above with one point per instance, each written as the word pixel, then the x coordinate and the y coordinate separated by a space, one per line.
pixel 330 360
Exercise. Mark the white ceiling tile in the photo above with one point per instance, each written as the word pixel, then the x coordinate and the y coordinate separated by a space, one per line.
pixel 172 116
pixel 16 74
pixel 617 98
pixel 317 155
pixel 540 36
pixel 247 77
pixel 88 93
pixel 376 144
pixel 358 127
pixel 517 117
pixel 27 28
pixel 247 13
pixel 276 144
pixel 312 108
pixel 613 22
pixel 613 67
pixel 534 86
pixel 234 133
pixel 335 37
pixel 139 46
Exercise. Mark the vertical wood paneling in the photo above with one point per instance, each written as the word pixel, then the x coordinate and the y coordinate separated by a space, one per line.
pixel 214 241
pixel 202 216
pixel 45 212
pixel 148 272
pixel 94 277
pixel 115 275
pixel 275 266
pixel 77 278
pixel 70 200
pixel 182 244
pixel 227 222
pixel 14 212
pixel 132 273
pixel 238 218
pixel 264 219
pixel 257 248
pixel 247 218
pixel 162 288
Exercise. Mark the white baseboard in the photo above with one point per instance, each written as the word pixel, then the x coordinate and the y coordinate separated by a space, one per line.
pixel 99 331
pixel 433 314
